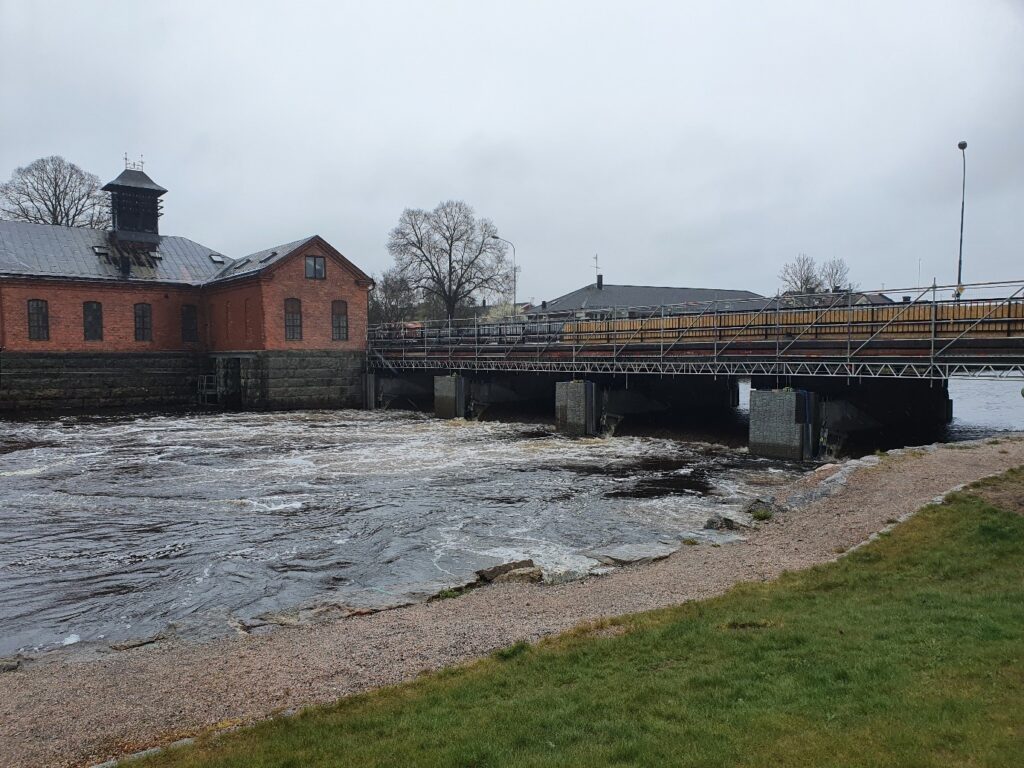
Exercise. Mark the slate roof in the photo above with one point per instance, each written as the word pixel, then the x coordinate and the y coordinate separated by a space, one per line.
pixel 254 262
pixel 620 296
pixel 134 179
pixel 44 250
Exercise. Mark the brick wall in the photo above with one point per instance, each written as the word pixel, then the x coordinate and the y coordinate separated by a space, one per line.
pixel 234 316
pixel 288 280
pixel 247 316
pixel 65 300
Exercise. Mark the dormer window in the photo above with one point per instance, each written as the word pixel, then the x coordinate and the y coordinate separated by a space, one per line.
pixel 316 268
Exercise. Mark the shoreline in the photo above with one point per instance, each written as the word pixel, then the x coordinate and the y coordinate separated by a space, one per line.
pixel 81 711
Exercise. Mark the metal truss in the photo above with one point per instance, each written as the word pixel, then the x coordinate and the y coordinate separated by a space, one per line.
pixel 741 368
pixel 934 333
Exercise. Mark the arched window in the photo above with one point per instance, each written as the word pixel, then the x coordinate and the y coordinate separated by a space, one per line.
pixel 143 322
pixel 38 320
pixel 292 320
pixel 92 320
pixel 339 320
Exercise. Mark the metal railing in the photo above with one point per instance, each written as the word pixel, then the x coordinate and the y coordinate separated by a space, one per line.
pixel 929 332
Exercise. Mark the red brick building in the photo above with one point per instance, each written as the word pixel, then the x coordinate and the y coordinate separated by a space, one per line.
pixel 132 318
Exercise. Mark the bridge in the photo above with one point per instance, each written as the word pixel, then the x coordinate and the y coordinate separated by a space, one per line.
pixel 837 357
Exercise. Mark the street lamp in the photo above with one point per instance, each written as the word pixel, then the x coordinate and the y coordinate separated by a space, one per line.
pixel 962 146
pixel 514 269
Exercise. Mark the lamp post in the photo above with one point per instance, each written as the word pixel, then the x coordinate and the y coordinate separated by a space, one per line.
pixel 962 146
pixel 515 269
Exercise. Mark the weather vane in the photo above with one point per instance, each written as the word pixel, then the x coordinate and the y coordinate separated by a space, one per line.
pixel 130 166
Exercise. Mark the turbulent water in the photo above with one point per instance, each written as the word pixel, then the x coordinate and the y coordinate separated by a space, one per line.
pixel 119 528
pixel 123 527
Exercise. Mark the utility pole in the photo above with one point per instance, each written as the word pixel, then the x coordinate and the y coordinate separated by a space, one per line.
pixel 962 146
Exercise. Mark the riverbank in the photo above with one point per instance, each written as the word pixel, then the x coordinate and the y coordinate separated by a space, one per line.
pixel 905 653
pixel 73 712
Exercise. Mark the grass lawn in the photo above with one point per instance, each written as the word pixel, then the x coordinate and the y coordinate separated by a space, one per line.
pixel 909 651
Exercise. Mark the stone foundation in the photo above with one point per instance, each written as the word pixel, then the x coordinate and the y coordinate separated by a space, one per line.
pixel 136 381
pixel 80 381
pixel 316 379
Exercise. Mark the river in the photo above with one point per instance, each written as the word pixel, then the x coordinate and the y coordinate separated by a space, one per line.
pixel 122 527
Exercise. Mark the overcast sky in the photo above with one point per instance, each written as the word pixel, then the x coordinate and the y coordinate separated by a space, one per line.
pixel 688 144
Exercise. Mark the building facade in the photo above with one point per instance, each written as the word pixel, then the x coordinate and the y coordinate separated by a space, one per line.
pixel 131 318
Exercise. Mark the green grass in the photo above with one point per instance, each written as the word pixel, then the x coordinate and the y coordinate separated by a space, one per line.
pixel 906 652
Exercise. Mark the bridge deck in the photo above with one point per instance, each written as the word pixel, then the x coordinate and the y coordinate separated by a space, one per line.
pixel 823 335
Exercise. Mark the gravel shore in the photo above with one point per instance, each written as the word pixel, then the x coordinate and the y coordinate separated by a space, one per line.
pixel 72 711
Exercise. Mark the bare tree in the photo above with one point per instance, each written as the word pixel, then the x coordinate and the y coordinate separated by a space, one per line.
pixel 53 191
pixel 392 299
pixel 450 255
pixel 835 275
pixel 801 275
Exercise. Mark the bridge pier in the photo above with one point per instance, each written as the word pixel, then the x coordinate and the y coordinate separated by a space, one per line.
pixel 912 410
pixel 578 408
pixel 784 423
pixel 450 396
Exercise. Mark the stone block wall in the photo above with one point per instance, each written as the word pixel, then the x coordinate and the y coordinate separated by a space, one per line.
pixel 260 380
pixel 300 379
pixel 783 423
pixel 41 381
pixel 577 408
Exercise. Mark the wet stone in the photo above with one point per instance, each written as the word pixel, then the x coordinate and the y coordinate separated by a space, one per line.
pixel 628 554
pixel 491 574
pixel 531 575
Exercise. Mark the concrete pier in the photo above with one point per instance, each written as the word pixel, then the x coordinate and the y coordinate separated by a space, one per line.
pixel 578 408
pixel 450 397
pixel 784 424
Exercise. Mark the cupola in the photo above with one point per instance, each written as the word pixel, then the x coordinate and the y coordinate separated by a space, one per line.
pixel 135 208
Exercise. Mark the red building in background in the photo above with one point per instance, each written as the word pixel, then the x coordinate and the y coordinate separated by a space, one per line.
pixel 130 317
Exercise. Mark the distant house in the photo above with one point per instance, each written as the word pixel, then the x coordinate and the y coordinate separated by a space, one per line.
pixel 131 317
pixel 605 299
pixel 793 299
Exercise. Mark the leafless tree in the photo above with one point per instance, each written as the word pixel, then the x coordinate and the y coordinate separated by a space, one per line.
pixel 835 275
pixel 801 275
pixel 450 255
pixel 53 191
pixel 392 299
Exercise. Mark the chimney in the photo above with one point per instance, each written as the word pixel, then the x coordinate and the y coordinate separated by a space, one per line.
pixel 135 208
pixel 600 282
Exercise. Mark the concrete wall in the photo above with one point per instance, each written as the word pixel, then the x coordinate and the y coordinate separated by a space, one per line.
pixel 73 381
pixel 450 397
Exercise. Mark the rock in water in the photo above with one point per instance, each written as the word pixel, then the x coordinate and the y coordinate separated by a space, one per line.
pixel 763 509
pixel 530 575
pixel 492 573
pixel 624 554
